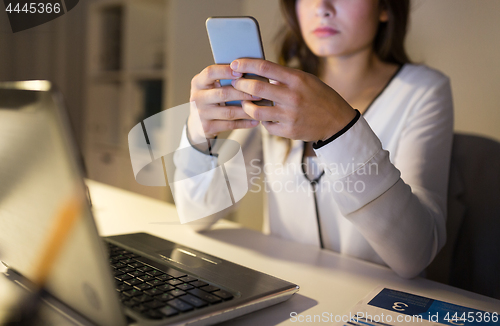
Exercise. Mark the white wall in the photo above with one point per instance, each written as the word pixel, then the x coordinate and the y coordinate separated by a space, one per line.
pixel 268 15
pixel 462 39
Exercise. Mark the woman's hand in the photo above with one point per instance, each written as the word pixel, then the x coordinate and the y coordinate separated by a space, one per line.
pixel 209 98
pixel 305 107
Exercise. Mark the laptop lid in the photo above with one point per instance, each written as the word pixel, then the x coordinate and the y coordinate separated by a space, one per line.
pixel 38 175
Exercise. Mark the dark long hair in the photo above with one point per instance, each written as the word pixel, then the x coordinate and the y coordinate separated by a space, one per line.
pixel 388 43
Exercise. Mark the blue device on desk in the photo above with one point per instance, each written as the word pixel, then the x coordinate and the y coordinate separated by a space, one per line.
pixel 433 310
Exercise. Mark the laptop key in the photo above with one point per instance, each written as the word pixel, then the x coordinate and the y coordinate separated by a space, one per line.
pixel 168 311
pixel 180 305
pixel 205 296
pixel 164 277
pixel 198 283
pixel 145 269
pixel 154 272
pixel 123 287
pixel 166 287
pixel 132 293
pixel 127 269
pixel 118 265
pixel 123 277
pixel 223 294
pixel 164 297
pixel 133 282
pixel 118 272
pixel 136 273
pixel 210 288
pixel 146 278
pixel 155 282
pixel 198 303
pixel 143 286
pixel 136 265
pixel 185 287
pixel 175 282
pixel 188 279
pixel 153 292
pixel 177 292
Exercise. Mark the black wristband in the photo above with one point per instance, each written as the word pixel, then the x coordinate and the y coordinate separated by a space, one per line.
pixel 321 143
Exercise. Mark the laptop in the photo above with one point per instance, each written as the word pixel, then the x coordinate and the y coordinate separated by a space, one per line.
pixel 130 279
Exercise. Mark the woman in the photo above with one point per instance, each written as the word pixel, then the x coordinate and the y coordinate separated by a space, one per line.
pixel 373 131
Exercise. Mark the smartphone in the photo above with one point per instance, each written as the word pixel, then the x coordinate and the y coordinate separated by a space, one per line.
pixel 233 38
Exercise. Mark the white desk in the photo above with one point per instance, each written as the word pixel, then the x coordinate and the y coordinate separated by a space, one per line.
pixel 328 282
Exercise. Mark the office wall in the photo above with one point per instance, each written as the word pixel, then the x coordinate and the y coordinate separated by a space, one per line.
pixel 462 39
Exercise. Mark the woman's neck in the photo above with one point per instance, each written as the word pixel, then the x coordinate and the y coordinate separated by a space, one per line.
pixel 348 69
pixel 358 78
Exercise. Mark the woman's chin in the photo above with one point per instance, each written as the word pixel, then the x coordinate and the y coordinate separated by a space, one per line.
pixel 326 49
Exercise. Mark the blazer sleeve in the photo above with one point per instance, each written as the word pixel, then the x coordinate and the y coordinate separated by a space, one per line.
pixel 402 209
pixel 201 185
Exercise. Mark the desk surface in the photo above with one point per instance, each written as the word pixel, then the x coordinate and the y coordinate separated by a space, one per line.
pixel 328 281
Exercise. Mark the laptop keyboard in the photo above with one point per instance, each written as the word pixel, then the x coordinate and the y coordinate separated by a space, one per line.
pixel 156 294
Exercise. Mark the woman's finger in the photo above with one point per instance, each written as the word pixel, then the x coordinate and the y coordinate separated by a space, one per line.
pixel 211 74
pixel 226 113
pixel 262 89
pixel 275 82
pixel 223 94
pixel 264 68
pixel 219 126
pixel 262 113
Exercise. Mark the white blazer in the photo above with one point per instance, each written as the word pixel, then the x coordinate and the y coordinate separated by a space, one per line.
pixel 383 195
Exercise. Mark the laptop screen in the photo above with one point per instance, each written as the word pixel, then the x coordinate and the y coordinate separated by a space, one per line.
pixel 38 175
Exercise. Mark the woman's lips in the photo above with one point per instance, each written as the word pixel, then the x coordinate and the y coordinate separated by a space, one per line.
pixel 325 31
